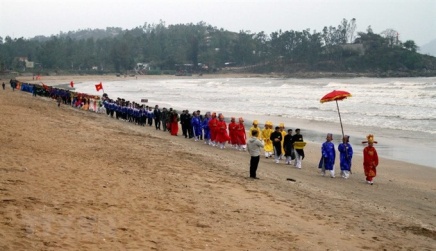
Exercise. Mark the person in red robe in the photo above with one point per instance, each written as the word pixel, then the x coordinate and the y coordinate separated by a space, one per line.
pixel 213 129
pixel 232 132
pixel 221 134
pixel 174 123
pixel 241 135
pixel 370 159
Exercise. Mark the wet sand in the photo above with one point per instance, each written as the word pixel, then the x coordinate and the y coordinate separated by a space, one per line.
pixel 77 180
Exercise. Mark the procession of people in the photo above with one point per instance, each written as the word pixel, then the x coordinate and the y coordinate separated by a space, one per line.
pixel 213 130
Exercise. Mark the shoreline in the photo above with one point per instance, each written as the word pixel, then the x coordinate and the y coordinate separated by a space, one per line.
pixel 390 146
pixel 69 183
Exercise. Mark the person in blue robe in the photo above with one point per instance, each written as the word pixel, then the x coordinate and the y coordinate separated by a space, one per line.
pixel 328 155
pixel 345 157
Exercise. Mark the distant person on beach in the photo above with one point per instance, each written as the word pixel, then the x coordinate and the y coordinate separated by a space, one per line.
pixel 284 133
pixel 370 159
pixel 196 125
pixel 232 132
pixel 222 136
pixel 266 134
pixel 206 129
pixel 288 146
pixel 174 118
pixel 213 123
pixel 328 155
pixel 345 157
pixel 254 146
pixel 299 152
pixel 255 127
pixel 241 136
pixel 164 118
pixel 276 139
pixel 201 120
pixel 150 116
pixel 157 117
pixel 3 85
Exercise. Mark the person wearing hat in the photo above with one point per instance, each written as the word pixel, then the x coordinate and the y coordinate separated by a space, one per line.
pixel 266 134
pixel 345 157
pixel 255 128
pixel 328 155
pixel 370 159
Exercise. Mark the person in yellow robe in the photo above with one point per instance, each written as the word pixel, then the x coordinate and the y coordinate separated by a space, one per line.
pixel 284 133
pixel 266 133
pixel 255 127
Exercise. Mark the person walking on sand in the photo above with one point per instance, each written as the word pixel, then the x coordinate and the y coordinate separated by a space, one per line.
pixel 3 85
pixel 276 139
pixel 196 124
pixel 345 157
pixel 222 136
pixel 232 132
pixel 266 134
pixel 328 155
pixel 299 144
pixel 157 117
pixel 206 129
pixel 370 159
pixel 255 128
pixel 241 136
pixel 288 146
pixel 174 127
pixel 254 146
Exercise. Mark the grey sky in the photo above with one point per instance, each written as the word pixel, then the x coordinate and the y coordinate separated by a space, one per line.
pixel 413 19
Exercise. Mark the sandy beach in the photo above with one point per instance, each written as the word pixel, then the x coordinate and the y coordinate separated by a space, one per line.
pixel 77 180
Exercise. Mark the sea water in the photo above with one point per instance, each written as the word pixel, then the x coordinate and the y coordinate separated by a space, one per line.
pixel 400 112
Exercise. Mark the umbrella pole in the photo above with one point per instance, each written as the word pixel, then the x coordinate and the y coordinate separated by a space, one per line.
pixel 340 120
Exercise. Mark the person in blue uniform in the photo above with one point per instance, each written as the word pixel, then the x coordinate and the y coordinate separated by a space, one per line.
pixel 328 155
pixel 345 157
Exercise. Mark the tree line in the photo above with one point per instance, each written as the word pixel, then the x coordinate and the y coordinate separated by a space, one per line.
pixel 202 47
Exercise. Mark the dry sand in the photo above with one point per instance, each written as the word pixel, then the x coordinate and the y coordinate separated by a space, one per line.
pixel 76 180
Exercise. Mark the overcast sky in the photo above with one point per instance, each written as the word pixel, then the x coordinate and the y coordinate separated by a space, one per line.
pixel 413 19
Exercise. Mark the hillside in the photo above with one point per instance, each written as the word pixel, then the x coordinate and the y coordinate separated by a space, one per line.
pixel 429 48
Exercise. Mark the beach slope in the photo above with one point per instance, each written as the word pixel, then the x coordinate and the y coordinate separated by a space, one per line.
pixel 77 180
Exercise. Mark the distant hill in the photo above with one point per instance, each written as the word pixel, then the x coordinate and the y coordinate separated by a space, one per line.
pixel 95 34
pixel 429 48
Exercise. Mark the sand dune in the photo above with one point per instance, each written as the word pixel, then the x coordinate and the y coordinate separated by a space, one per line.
pixel 76 180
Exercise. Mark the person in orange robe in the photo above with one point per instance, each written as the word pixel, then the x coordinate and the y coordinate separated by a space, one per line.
pixel 370 159
pixel 232 132
pixel 241 136
pixel 213 129
pixel 174 123
pixel 221 135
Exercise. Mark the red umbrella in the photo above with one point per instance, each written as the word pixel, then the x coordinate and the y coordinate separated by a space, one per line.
pixel 335 96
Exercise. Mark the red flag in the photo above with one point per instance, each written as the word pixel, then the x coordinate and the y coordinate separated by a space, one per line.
pixel 44 86
pixel 99 87
pixel 72 84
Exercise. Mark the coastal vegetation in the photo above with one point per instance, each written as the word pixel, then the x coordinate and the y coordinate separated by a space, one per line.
pixel 202 48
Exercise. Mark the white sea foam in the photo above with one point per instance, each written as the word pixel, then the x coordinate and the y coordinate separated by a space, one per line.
pixel 405 104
